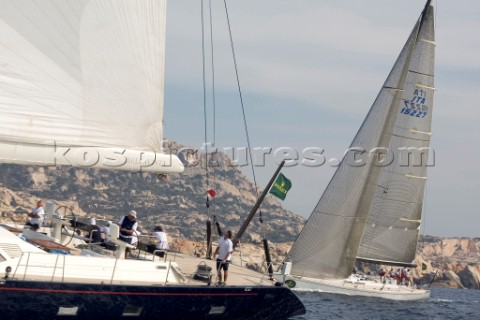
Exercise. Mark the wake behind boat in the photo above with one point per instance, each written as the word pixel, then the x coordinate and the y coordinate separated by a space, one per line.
pixel 371 209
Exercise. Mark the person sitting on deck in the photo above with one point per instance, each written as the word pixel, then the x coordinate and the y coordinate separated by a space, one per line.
pixel 36 216
pixel 105 233
pixel 95 233
pixel 161 241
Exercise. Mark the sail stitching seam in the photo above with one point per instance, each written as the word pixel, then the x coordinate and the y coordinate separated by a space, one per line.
pixel 410 138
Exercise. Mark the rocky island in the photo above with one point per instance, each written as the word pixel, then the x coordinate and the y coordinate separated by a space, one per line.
pixel 178 202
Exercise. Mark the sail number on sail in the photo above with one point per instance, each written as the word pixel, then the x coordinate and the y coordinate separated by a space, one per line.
pixel 416 107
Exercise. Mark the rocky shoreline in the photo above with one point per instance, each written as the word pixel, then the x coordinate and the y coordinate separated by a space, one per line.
pixel 178 204
pixel 451 262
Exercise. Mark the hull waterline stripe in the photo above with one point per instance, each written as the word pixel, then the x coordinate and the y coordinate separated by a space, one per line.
pixel 129 293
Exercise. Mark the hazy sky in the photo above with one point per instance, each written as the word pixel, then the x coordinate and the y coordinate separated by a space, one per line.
pixel 310 70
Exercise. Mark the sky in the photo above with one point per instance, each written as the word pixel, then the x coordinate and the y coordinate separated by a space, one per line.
pixel 309 71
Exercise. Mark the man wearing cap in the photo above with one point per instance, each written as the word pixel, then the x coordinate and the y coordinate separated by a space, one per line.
pixel 128 226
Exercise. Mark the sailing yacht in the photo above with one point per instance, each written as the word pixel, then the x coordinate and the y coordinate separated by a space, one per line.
pixel 81 85
pixel 371 209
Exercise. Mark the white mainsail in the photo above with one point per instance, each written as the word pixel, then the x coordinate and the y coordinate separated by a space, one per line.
pixel 371 208
pixel 81 84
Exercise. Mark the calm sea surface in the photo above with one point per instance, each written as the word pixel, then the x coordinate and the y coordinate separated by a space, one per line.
pixel 443 304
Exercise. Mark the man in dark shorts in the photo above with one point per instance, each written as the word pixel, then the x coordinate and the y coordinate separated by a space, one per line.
pixel 224 251
pixel 128 226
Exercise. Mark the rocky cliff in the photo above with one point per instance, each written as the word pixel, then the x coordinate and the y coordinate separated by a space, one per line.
pixel 456 261
pixel 178 203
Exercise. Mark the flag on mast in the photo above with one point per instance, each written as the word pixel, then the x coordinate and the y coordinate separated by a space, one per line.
pixel 281 187
pixel 211 193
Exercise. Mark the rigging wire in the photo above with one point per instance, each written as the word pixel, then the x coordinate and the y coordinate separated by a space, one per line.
pixel 204 61
pixel 204 97
pixel 207 202
pixel 241 97
pixel 208 183
pixel 213 75
pixel 213 96
pixel 243 112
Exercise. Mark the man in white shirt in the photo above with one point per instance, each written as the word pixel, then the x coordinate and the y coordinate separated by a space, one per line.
pixel 161 238
pixel 224 251
pixel 105 231
pixel 36 216
pixel 161 241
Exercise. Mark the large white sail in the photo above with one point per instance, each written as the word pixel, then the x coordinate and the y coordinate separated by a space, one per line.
pixel 394 218
pixel 81 83
pixel 328 245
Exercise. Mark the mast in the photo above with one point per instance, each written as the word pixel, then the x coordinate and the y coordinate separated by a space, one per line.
pixel 245 224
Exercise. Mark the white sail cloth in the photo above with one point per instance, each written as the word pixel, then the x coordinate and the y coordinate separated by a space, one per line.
pixel 83 73
pixel 372 210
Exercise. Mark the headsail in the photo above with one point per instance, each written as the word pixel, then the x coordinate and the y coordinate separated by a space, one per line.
pixel 394 218
pixel 328 245
pixel 83 79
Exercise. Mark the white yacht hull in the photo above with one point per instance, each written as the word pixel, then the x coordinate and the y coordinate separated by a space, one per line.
pixel 53 286
pixel 367 288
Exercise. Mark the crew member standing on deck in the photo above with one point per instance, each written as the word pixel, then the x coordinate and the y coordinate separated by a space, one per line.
pixel 224 251
pixel 128 226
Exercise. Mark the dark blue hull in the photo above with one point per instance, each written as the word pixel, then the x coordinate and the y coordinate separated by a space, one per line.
pixel 45 300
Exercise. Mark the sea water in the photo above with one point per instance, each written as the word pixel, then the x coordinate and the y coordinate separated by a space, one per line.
pixel 442 304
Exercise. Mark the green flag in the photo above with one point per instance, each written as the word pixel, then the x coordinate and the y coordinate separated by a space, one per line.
pixel 424 268
pixel 281 187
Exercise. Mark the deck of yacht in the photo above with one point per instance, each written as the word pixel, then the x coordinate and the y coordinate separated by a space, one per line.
pixel 237 275
pixel 186 264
